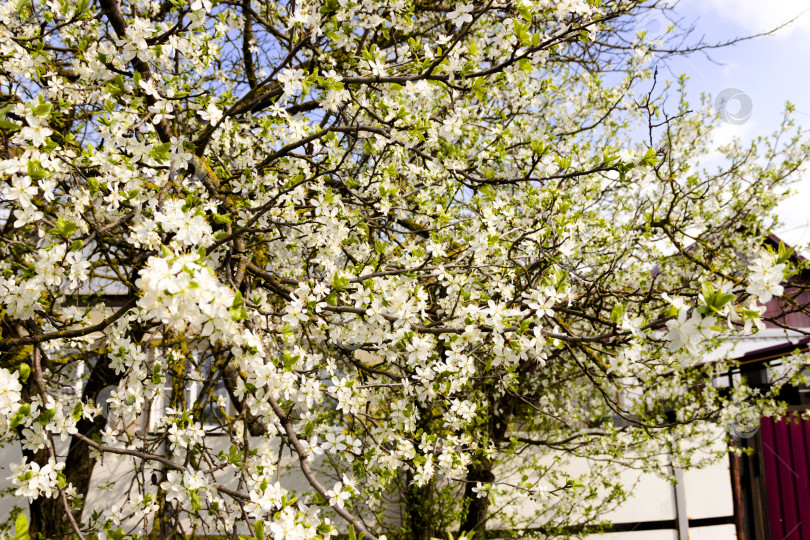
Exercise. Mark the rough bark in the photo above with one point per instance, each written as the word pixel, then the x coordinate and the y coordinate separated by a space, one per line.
pixel 419 519
pixel 247 37
pixel 476 509
pixel 254 425
pixel 475 517
pixel 78 463
pixel 47 516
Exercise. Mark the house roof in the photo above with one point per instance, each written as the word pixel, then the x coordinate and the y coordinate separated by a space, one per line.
pixel 792 309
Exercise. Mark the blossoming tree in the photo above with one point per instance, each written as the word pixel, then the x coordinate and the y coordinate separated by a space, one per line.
pixel 432 250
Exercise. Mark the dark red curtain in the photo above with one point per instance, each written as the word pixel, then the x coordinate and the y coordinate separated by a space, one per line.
pixel 786 456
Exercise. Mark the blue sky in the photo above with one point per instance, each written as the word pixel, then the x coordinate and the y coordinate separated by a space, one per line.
pixel 771 70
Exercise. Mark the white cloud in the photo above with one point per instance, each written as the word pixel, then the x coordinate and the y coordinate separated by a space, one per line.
pixel 793 213
pixel 758 15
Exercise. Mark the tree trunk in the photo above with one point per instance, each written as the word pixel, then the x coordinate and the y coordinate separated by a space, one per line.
pixel 476 509
pixel 254 425
pixel 421 519
pixel 78 463
pixel 46 516
pixel 419 523
pixel 475 517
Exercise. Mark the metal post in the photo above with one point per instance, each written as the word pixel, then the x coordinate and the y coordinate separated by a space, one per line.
pixel 681 517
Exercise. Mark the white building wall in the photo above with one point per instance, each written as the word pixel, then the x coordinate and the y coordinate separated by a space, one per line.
pixel 707 491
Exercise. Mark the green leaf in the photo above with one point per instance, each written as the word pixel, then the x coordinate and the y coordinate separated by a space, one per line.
pixel 115 87
pixel 196 502
pixel 258 528
pixel 521 31
pixel 46 416
pixel 238 314
pixel 723 299
pixel 288 360
pixel 616 313
pixel 525 12
pixel 42 109
pixel 21 528
pixel 161 151
pixel 64 228
pixel 16 420
pixel 77 411
pixel 649 158
pixel 94 185
pixel 19 6
pixel 35 170
pixel 25 371
pixel 540 148
pixel 563 162
pixel 234 456
pixel 783 253
pixel 8 125
pixel 707 289
pixel 118 534
pixel 221 219
pixel 715 299
pixel 20 415
pixel 584 37
pixel 339 282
